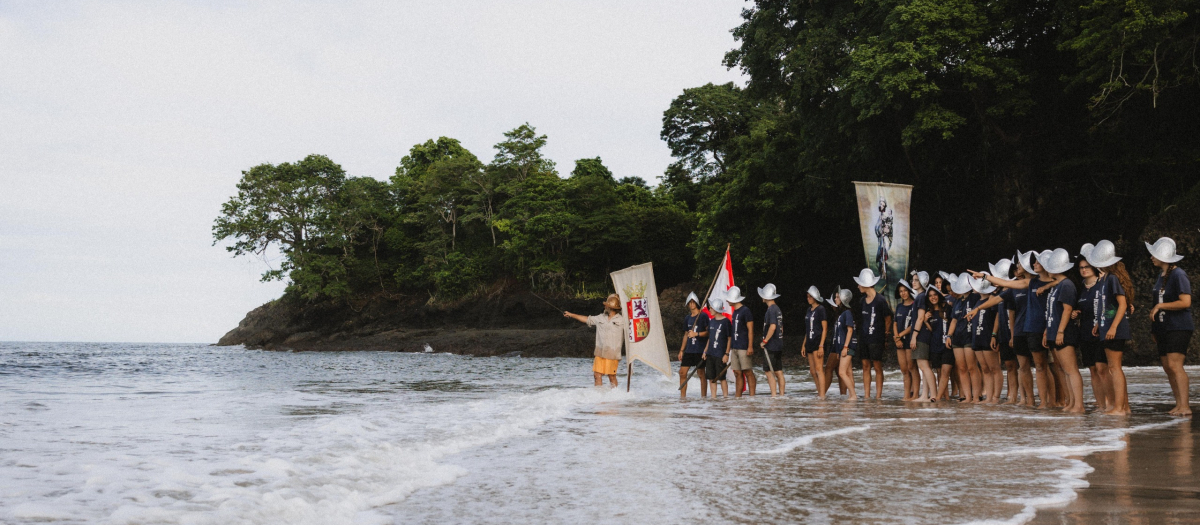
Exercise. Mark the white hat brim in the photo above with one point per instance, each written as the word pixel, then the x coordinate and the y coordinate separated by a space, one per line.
pixel 1023 261
pixel 866 284
pixel 767 296
pixel 1171 259
pixel 1101 263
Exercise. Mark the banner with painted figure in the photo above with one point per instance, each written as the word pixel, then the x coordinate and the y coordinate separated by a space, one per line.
pixel 646 341
pixel 883 217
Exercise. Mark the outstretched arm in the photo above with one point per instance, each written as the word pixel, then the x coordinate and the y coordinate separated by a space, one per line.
pixel 577 317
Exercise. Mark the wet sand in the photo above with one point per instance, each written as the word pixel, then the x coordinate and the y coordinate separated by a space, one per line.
pixel 1155 479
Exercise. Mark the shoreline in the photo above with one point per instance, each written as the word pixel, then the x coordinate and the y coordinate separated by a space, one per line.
pixel 1154 478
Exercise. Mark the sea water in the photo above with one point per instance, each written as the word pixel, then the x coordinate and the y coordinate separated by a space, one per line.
pixel 195 434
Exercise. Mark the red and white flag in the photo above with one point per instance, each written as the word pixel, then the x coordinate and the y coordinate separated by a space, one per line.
pixel 721 287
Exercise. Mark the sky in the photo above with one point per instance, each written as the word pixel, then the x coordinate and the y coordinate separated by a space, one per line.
pixel 125 125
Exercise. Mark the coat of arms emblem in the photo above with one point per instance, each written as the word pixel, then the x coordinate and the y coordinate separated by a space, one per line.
pixel 637 309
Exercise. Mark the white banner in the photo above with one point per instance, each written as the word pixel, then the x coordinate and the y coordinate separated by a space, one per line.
pixel 883 215
pixel 646 341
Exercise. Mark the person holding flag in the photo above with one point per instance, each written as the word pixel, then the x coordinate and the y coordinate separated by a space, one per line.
pixel 695 339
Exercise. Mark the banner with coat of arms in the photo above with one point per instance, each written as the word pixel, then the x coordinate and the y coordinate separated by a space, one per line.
pixel 646 342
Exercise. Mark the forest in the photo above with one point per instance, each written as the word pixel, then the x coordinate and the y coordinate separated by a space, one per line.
pixel 1028 124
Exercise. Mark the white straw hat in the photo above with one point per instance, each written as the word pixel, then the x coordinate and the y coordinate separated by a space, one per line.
pixel 1057 261
pixel 768 292
pixel 1001 268
pixel 982 286
pixel 1023 260
pixel 1086 249
pixel 716 305
pixel 845 296
pixel 814 293
pixel 1041 257
pixel 831 297
pixel 1103 255
pixel 922 278
pixel 866 278
pixel 947 277
pixel 909 286
pixel 734 295
pixel 961 284
pixel 1164 250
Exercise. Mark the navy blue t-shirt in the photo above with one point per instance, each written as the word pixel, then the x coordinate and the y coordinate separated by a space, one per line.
pixel 812 321
pixel 697 323
pixel 1087 305
pixel 1035 308
pixel 1058 296
pixel 906 317
pixel 774 317
pixel 1020 303
pixel 742 317
pixel 1110 289
pixel 982 324
pixel 874 319
pixel 845 321
pixel 959 314
pixel 934 331
pixel 1166 291
pixel 718 335
pixel 1007 302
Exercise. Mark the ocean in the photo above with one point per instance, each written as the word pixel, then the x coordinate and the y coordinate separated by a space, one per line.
pixel 197 434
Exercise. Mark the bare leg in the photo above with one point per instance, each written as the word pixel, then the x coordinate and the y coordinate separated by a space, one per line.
pixel 1120 391
pixel 1042 379
pixel 739 382
pixel 598 376
pixel 703 382
pixel 683 373
pixel 926 392
pixel 904 372
pixel 878 379
pixel 612 379
pixel 846 375
pixel 816 366
pixel 1025 379
pixel 965 368
pixel 866 377
pixel 751 382
pixel 944 381
pixel 1011 372
pixel 1074 380
pixel 955 384
pixel 1059 386
pixel 780 381
pixel 985 376
pixel 1179 385
pixel 771 382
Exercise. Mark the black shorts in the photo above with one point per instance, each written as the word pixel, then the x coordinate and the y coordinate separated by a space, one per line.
pixel 1034 343
pixel 1006 352
pixel 935 359
pixel 960 340
pixel 1173 342
pixel 690 360
pixel 776 360
pixel 874 352
pixel 1021 346
pixel 1091 352
pixel 712 368
pixel 1070 338
pixel 1116 345
pixel 948 357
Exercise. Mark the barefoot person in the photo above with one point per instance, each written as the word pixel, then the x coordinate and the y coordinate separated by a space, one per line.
pixel 844 340
pixel 695 339
pixel 833 353
pixel 930 345
pixel 969 378
pixel 1091 349
pixel 985 335
pixel 876 317
pixel 816 325
pixel 610 338
pixel 1172 319
pixel 1060 336
pixel 772 340
pixel 906 314
pixel 1116 295
pixel 741 352
pixel 716 353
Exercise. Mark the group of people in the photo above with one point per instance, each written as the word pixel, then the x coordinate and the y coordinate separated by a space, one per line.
pixel 956 336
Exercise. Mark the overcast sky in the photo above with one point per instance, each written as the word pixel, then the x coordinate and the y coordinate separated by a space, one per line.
pixel 125 125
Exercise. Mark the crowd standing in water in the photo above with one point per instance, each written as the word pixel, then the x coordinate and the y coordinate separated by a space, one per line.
pixel 1022 323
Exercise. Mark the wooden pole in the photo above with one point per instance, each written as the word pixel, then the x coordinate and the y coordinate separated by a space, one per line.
pixel 703 305
pixel 629 378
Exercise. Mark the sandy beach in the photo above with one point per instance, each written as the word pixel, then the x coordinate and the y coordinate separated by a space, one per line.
pixel 1153 480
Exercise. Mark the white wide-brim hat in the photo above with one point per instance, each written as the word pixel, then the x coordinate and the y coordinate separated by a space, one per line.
pixel 961 284
pixel 1086 249
pixel 716 305
pixel 1001 269
pixel 1164 250
pixel 866 278
pixel 845 296
pixel 734 295
pixel 814 293
pixel 982 286
pixel 831 297
pixel 1042 256
pixel 905 284
pixel 768 292
pixel 947 277
pixel 692 297
pixel 922 278
pixel 1103 255
pixel 1023 260
pixel 1057 261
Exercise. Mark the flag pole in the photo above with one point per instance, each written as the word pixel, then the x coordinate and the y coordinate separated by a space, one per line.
pixel 704 305
pixel 629 377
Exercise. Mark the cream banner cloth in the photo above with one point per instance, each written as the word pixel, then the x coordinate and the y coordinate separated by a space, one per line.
pixel 646 341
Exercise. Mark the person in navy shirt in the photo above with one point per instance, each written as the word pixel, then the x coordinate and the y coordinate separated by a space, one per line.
pixel 985 341
pixel 813 346
pixel 906 313
pixel 931 347
pixel 969 378
pixel 1014 354
pixel 1171 318
pixel 1091 350
pixel 1112 322
pixel 741 352
pixel 772 341
pixel 1060 336
pixel 715 353
pixel 876 317
pixel 695 338
pixel 844 339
